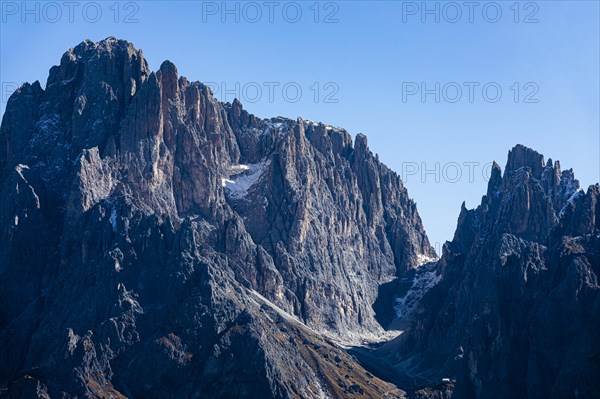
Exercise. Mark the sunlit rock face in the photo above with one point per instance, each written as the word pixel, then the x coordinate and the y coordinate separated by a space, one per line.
pixel 159 243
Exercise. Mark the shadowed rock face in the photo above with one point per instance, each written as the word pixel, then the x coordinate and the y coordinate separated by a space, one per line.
pixel 517 311
pixel 159 243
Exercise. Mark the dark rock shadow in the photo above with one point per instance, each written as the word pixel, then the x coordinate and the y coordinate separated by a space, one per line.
pixel 386 298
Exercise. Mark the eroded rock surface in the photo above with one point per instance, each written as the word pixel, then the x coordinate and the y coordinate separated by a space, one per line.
pixel 159 243
pixel 517 310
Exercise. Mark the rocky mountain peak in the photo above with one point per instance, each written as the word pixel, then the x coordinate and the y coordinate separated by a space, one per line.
pixel 495 181
pixel 520 156
pixel 176 230
pixel 169 78
pixel 519 284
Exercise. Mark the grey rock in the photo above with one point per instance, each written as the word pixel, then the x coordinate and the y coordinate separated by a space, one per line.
pixel 128 267
pixel 517 311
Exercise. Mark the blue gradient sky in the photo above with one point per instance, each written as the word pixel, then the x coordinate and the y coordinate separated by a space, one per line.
pixel 369 54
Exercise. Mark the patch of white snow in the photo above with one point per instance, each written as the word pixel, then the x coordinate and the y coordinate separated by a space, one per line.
pixel 423 281
pixel 20 168
pixel 241 178
pixel 423 259
pixel 571 201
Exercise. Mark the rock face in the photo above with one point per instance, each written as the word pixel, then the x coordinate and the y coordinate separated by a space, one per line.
pixel 517 310
pixel 159 243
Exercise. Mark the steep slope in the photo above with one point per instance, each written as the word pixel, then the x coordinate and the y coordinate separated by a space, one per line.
pixel 517 310
pixel 159 243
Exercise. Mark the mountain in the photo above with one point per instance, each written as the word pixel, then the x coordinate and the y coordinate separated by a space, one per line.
pixel 516 311
pixel 159 243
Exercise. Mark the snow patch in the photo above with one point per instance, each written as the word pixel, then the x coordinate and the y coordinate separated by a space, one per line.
pixel 423 259
pixel 327 127
pixel 275 123
pixel 571 201
pixel 241 178
pixel 20 168
pixel 235 169
pixel 425 278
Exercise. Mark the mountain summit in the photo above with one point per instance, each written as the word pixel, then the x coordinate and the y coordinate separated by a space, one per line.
pixel 517 309
pixel 159 243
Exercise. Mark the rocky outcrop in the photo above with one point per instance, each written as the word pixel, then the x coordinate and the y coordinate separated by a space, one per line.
pixel 517 309
pixel 159 243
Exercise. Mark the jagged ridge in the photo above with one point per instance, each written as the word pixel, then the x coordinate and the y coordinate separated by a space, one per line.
pixel 128 268
pixel 517 310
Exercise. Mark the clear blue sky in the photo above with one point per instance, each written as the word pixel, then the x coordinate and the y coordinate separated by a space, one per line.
pixel 368 57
